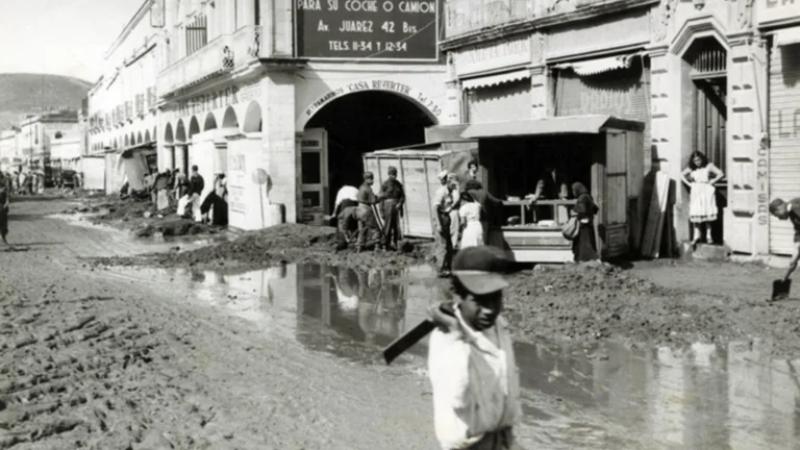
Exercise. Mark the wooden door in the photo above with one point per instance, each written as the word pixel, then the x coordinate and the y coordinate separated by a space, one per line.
pixel 615 195
pixel 314 173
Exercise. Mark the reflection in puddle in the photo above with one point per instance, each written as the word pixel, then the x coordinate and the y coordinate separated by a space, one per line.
pixel 707 396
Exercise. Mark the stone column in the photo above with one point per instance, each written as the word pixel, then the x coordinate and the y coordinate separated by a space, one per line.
pixel 280 151
pixel 668 135
pixel 747 215
pixel 539 90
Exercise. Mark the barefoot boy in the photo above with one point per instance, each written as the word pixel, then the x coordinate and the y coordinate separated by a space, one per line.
pixel 789 210
pixel 471 360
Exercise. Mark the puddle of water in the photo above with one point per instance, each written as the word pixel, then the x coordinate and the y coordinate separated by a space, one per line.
pixel 704 397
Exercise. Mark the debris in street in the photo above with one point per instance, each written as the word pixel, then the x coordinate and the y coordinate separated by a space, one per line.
pixel 279 244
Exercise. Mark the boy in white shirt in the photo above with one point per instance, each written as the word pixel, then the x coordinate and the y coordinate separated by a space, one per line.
pixel 471 359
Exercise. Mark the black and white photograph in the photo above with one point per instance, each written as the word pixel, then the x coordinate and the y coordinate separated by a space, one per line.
pixel 399 224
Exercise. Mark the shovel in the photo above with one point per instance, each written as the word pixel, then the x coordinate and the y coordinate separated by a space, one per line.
pixel 780 289
pixel 414 335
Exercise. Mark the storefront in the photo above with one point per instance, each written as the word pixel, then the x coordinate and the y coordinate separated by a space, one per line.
pixel 782 23
pixel 602 152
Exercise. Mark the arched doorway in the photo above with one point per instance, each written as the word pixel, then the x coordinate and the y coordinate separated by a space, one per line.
pixel 252 119
pixel 169 145
pixel 229 119
pixel 181 149
pixel 705 63
pixel 338 135
pixel 210 122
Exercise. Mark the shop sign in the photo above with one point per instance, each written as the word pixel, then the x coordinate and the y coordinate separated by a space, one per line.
pixel 772 11
pixel 374 85
pixel 762 184
pixel 367 29
pixel 208 102
pixel 622 94
pixel 506 53
pixel 599 36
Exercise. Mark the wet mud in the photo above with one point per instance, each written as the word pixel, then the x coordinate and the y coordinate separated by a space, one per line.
pixel 138 217
pixel 287 243
pixel 607 395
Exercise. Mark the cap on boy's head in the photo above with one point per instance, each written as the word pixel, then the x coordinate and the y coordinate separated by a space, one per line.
pixel 775 205
pixel 194 168
pixel 369 176
pixel 480 269
pixel 392 170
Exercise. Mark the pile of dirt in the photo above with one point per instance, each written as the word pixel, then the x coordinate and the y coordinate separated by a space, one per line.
pixel 588 303
pixel 172 226
pixel 286 243
pixel 123 210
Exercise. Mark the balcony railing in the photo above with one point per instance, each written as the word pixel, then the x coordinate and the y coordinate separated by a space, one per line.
pixel 465 16
pixel 224 53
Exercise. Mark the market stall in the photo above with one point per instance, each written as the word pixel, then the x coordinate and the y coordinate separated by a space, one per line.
pixel 602 152
pixel 418 167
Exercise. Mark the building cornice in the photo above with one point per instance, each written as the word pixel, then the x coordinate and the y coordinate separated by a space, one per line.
pixel 511 28
pixel 137 17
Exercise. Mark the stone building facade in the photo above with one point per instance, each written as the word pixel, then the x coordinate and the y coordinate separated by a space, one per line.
pixel 238 98
pixel 696 73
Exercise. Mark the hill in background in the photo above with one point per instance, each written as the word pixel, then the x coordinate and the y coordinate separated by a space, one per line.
pixel 33 93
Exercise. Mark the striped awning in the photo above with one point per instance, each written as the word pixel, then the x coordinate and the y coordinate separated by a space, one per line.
pixel 787 36
pixel 494 80
pixel 599 65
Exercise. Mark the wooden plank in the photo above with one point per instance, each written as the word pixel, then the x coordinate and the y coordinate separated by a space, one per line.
pixel 655 217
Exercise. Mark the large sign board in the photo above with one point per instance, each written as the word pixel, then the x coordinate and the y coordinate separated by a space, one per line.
pixel 367 29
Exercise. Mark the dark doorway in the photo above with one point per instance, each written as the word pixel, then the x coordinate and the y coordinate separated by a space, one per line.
pixel 709 136
pixel 708 69
pixel 362 122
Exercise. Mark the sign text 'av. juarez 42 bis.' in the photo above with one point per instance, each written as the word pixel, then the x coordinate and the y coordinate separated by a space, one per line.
pixel 368 29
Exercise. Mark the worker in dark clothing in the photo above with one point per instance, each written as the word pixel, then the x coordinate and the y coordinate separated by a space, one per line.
pixel 392 199
pixel 367 222
pixel 196 182
pixel 216 203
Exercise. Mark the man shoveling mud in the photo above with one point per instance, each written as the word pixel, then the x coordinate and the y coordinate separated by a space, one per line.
pixel 471 359
pixel 787 211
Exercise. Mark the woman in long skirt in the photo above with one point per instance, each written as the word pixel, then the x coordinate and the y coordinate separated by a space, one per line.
pixel 470 216
pixel 700 177
pixel 584 247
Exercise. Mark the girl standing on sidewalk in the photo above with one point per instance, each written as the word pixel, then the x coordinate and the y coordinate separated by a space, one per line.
pixel 700 177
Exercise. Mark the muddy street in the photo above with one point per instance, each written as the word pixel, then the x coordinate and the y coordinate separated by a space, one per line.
pixel 288 357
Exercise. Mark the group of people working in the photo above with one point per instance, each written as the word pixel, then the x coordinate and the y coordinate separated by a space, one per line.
pixel 368 219
pixel 172 188
pixel 467 212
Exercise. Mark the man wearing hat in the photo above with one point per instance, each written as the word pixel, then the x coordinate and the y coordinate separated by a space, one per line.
pixel 392 199
pixel 471 363
pixel 367 223
pixel 444 204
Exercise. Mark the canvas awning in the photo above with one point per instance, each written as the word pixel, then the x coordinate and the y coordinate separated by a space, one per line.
pixel 493 80
pixel 787 36
pixel 589 124
pixel 127 152
pixel 599 65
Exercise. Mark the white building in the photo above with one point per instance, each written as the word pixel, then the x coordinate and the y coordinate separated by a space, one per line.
pixel 10 154
pixel 122 103
pixel 246 93
pixel 38 133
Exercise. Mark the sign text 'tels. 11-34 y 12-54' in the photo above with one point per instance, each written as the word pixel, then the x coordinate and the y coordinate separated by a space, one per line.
pixel 370 29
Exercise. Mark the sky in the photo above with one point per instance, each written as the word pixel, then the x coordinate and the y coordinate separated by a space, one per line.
pixel 62 37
